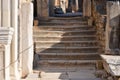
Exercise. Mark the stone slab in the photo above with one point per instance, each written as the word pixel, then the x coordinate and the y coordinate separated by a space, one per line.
pixel 83 75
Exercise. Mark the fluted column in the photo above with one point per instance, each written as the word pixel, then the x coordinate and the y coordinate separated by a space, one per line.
pixel 14 46
pixel 6 22
pixel 5 40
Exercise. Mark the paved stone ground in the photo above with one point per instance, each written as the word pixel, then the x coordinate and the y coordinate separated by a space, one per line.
pixel 63 73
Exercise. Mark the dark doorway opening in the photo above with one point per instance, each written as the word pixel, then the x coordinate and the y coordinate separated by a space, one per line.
pixel 65 8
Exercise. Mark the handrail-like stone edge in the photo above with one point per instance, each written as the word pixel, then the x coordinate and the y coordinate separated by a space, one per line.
pixel 112 64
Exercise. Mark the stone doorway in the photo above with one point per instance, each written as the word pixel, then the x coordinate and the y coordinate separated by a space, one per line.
pixel 65 7
pixel 62 8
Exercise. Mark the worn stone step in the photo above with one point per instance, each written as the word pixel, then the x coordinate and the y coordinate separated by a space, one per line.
pixel 66 54
pixel 63 23
pixel 69 62
pixel 74 44
pixel 69 49
pixel 55 33
pixel 67 42
pixel 62 18
pixel 70 57
pixel 64 28
pixel 47 47
pixel 81 38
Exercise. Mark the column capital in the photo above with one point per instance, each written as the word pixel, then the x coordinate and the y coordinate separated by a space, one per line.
pixel 6 35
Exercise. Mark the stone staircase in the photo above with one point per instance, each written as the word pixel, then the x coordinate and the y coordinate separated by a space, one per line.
pixel 66 41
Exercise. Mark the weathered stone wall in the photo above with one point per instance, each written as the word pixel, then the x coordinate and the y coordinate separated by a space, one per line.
pixel 114 25
pixel 99 22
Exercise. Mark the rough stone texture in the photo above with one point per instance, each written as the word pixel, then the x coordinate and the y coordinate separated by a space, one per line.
pixel 112 64
pixel 99 24
pixel 87 8
pixel 26 40
pixel 42 8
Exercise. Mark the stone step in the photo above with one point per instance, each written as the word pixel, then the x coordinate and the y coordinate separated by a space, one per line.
pixel 63 23
pixel 62 18
pixel 48 44
pixel 69 42
pixel 67 54
pixel 47 47
pixel 47 31
pixel 70 57
pixel 81 38
pixel 67 49
pixel 68 62
pixel 54 33
pixel 65 36
pixel 64 28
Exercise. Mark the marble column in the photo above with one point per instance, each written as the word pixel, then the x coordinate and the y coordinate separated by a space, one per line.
pixel 6 13
pixel 2 62
pixel 26 37
pixel 63 5
pixel 14 46
pixel 5 40
pixel 0 13
pixel 6 17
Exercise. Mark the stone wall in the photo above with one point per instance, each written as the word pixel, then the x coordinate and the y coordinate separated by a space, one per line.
pixel 113 26
pixel 99 22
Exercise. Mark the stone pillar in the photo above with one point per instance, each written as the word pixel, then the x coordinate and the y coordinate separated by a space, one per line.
pixel 14 47
pixel 5 22
pixel 26 37
pixel 6 13
pixel 77 5
pixel 5 40
pixel 63 5
pixel 43 8
pixel 0 13
pixel 86 7
pixel 2 62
